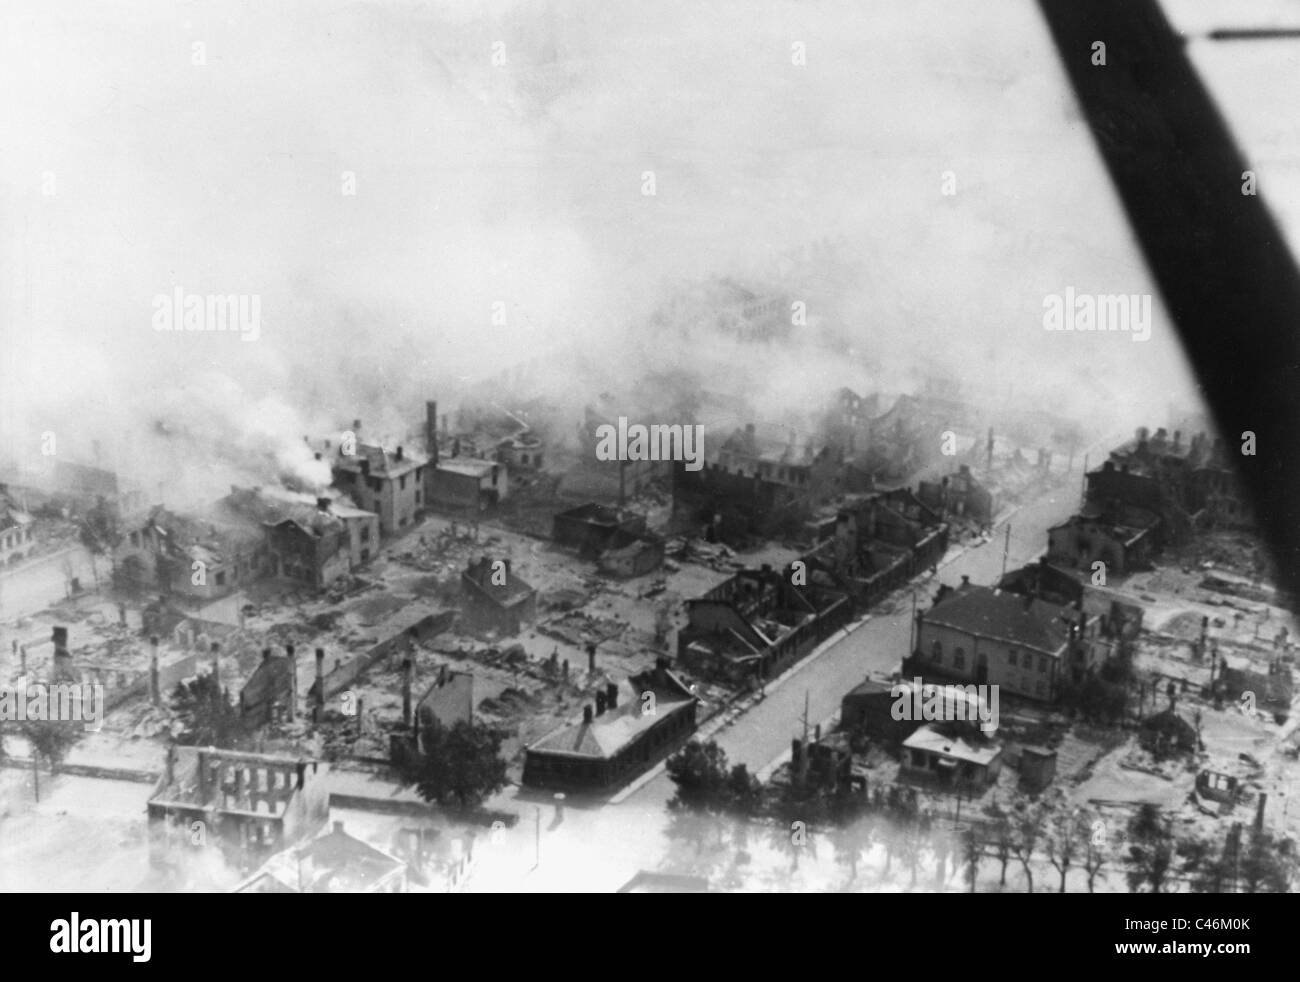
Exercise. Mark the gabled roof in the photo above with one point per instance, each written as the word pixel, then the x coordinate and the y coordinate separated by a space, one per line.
pixel 382 463
pixel 991 613
pixel 513 591
pixel 929 738
pixel 614 729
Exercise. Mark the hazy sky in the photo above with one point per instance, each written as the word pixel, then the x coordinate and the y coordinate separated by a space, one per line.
pixel 499 151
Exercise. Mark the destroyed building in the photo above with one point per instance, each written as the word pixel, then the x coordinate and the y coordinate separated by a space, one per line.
pixel 270 695
pixel 758 482
pixel 848 421
pixel 878 542
pixel 1084 539
pixel 1027 646
pixel 591 527
pixel 17 531
pixel 629 729
pixel 616 539
pixel 495 598
pixel 758 622
pixel 313 540
pixel 202 556
pixel 389 483
pixel 460 478
pixel 250 805
pixel 960 495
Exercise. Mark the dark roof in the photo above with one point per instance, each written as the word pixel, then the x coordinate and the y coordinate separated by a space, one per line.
pixel 513 591
pixel 992 613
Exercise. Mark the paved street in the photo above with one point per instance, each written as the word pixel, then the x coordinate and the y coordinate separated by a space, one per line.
pixel 35 585
pixel 763 734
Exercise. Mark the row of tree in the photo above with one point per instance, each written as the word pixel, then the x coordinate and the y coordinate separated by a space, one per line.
pixel 717 806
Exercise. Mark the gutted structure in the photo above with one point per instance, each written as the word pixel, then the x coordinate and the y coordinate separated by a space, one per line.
pixel 759 622
pixel 250 805
pixel 389 483
pixel 493 598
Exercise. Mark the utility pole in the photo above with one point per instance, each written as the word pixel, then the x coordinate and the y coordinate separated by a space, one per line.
pixel 911 633
pixel 1006 548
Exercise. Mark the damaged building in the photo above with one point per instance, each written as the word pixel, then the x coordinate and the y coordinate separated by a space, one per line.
pixel 757 623
pixel 389 483
pixel 199 557
pixel 312 540
pixel 629 729
pixel 250 805
pixel 758 482
pixel 17 530
pixel 960 495
pixel 495 598
pixel 1124 545
pixel 879 542
pixel 615 539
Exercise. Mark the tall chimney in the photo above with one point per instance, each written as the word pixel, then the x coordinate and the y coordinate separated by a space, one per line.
pixel 154 695
pixel 431 430
pixel 320 684
pixel 291 653
pixel 406 691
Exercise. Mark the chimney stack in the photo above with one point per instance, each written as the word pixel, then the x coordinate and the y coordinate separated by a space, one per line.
pixel 320 683
pixel 431 430
pixel 323 504
pixel 154 694
pixel 600 702
pixel 406 692
pixel 611 696
pixel 399 453
pixel 290 652
pixel 586 715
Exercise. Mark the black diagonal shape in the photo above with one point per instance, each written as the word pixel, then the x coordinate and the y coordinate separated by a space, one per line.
pixel 1217 256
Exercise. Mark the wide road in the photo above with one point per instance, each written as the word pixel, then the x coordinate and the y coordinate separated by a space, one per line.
pixel 763 733
pixel 35 585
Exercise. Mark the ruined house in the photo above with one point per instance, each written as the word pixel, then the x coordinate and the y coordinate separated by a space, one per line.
pixel 17 530
pixel 250 805
pixel 758 482
pixel 389 483
pixel 759 622
pixel 960 495
pixel 495 598
pixel 270 695
pixel 313 540
pixel 1084 539
pixel 200 556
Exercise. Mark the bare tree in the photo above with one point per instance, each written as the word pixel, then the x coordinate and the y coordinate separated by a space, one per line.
pixel 1065 835
pixel 1027 831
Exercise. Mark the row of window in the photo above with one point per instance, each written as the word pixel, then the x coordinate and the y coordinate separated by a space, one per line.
pixel 1025 659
